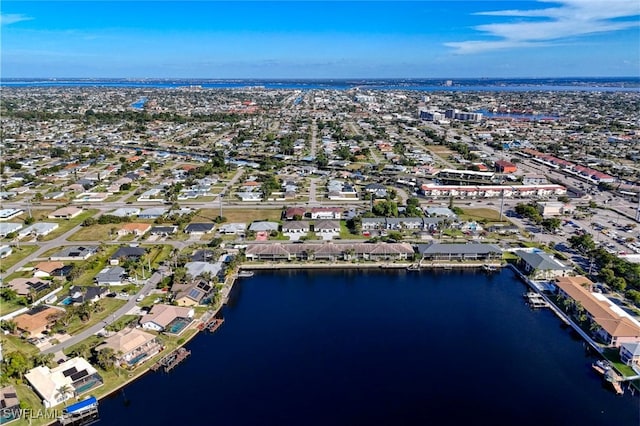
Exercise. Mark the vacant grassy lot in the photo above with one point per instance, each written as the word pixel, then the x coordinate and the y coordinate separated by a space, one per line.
pixel 440 150
pixel 238 215
pixel 65 225
pixel 478 214
pixel 96 233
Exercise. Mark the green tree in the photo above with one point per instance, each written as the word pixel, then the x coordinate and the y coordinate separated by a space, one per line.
pixel 106 358
pixel 16 364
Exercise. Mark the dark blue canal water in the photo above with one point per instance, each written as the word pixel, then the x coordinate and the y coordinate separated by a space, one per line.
pixel 378 348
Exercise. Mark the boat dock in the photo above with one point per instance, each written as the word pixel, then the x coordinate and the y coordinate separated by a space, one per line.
pixel 535 300
pixel 171 360
pixel 82 413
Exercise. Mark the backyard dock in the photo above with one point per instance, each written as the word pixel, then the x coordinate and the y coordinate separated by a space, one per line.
pixel 535 300
pixel 171 360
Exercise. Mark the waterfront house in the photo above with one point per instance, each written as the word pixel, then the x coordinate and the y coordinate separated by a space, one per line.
pixel 132 347
pixel 9 405
pixel 110 276
pixel 630 353
pixel 198 269
pixel 459 252
pixel 75 374
pixel 614 326
pixel 539 265
pixel 329 251
pixel 162 315
pixel 36 320
pixel 192 293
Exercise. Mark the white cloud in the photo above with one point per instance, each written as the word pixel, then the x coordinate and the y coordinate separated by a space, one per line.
pixel 573 18
pixel 12 18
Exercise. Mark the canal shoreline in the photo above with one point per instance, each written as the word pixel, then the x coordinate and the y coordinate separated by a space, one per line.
pixel 431 266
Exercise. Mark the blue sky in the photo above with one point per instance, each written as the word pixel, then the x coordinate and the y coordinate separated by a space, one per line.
pixel 316 39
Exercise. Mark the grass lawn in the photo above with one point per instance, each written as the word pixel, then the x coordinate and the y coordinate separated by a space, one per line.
pixel 95 233
pixel 18 254
pixel 110 305
pixel 66 225
pixel 14 343
pixel 345 234
pixel 6 307
pixel 89 343
pixel 239 215
pixel 158 253
pixel 481 213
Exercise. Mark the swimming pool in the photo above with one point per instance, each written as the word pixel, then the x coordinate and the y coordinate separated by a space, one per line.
pixel 177 325
pixel 67 301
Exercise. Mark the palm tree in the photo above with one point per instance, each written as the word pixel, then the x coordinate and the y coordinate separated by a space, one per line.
pixel 62 392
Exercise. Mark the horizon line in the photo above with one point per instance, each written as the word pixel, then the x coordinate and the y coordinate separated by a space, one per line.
pixel 324 78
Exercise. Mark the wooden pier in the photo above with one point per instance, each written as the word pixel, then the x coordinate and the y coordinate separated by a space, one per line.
pixel 171 360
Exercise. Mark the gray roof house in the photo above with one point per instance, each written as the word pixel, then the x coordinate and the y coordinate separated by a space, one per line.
pixel 296 226
pixel 110 276
pixel 196 269
pixel 152 213
pixel 468 251
pixel 539 265
pixel 264 226
pixel 630 353
pixel 199 228
pixel 75 253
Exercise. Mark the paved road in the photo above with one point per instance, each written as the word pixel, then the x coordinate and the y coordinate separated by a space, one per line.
pixel 149 285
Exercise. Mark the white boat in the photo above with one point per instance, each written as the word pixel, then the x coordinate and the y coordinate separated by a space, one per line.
pixel 245 274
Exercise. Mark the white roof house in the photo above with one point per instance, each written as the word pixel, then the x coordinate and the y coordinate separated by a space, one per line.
pixel 9 227
pixel 40 228
pixel 73 373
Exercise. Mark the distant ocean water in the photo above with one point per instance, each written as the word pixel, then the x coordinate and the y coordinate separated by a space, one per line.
pixel 378 348
pixel 426 85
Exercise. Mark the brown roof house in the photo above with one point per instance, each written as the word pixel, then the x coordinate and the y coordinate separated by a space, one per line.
pixel 137 229
pixel 37 319
pixel 132 346
pixel 45 269
pixel 65 213
pixel 167 318
pixel 614 326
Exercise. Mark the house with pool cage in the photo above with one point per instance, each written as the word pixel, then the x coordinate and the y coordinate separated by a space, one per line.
pixel 132 346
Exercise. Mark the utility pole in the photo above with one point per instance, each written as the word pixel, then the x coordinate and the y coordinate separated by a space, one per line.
pixel 221 196
pixel 501 204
